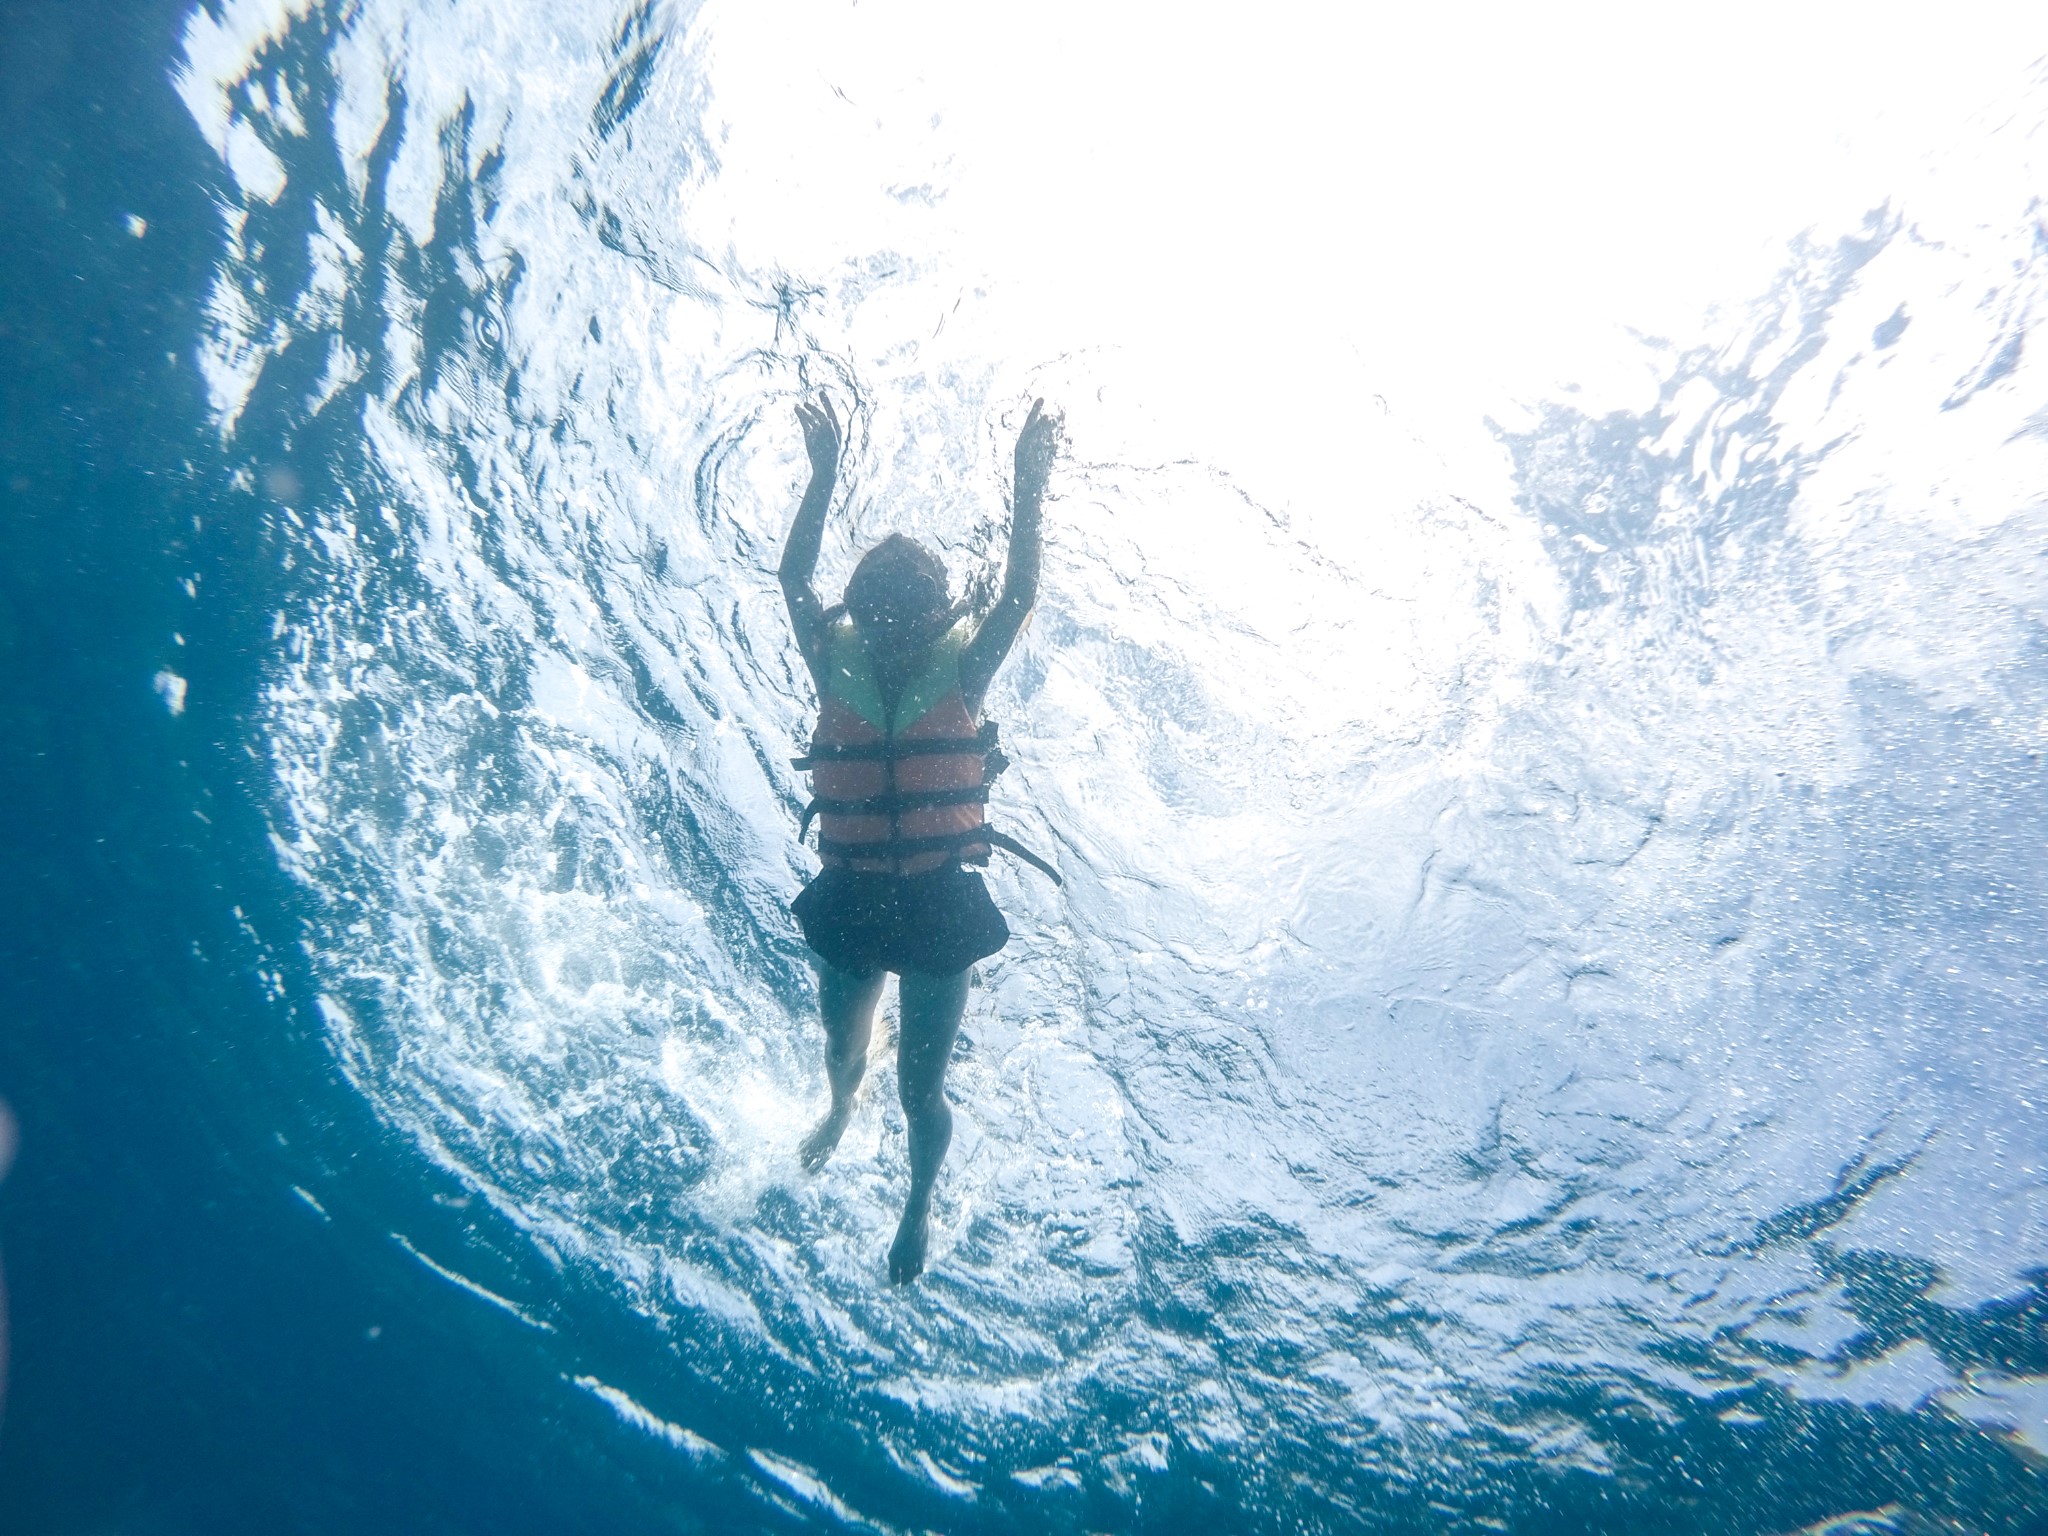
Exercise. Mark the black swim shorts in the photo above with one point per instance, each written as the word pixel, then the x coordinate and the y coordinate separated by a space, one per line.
pixel 934 924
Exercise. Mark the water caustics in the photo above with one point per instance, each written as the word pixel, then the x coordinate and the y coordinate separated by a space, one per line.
pixel 1549 959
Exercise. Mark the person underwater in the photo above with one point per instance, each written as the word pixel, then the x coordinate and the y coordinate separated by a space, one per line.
pixel 900 765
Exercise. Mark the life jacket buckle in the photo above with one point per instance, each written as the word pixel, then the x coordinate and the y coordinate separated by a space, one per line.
pixel 994 758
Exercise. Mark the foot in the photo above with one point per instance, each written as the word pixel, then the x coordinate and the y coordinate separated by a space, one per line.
pixel 819 1146
pixel 906 1254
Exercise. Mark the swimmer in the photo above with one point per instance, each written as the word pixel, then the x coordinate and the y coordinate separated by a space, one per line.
pixel 900 765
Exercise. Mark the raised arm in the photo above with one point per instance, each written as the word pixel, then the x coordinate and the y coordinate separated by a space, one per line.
pixel 807 533
pixel 1037 445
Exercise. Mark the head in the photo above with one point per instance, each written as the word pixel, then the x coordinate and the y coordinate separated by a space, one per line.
pixel 897 593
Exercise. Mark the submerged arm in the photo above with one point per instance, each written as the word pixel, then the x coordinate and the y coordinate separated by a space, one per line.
pixel 1037 445
pixel 807 533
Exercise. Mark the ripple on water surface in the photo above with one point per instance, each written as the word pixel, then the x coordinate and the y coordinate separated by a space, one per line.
pixel 1533 979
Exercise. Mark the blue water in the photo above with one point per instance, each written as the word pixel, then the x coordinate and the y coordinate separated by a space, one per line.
pixel 1541 1032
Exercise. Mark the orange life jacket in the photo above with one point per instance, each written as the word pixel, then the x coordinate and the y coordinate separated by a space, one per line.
pixel 902 790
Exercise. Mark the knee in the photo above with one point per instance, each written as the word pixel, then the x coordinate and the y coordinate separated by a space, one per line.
pixel 927 1107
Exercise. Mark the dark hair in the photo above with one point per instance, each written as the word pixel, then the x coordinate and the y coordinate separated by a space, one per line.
pixel 898 577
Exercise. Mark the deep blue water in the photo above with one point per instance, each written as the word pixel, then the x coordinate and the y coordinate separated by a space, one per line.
pixel 1588 1085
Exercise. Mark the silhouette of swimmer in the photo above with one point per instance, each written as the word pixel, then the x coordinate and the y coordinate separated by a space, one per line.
pixel 900 765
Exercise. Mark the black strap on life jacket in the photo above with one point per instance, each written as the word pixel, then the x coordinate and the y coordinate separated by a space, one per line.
pixel 903 847
pixel 894 749
pixel 892 804
pixel 1009 844
pixel 888 750
pixel 910 847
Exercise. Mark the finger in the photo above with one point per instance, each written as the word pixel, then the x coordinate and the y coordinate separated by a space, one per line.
pixel 1037 407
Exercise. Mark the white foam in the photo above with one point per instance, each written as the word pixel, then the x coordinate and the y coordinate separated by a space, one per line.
pixel 648 1422
pixel 482 1293
pixel 171 688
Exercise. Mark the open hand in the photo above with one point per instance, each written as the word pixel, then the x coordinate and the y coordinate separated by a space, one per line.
pixel 1037 446
pixel 821 434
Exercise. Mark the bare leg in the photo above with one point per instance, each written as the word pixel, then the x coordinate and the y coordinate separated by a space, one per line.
pixel 847 1004
pixel 932 1006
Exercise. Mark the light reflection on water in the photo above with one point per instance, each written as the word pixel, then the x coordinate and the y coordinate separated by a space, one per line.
pixel 1546 951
